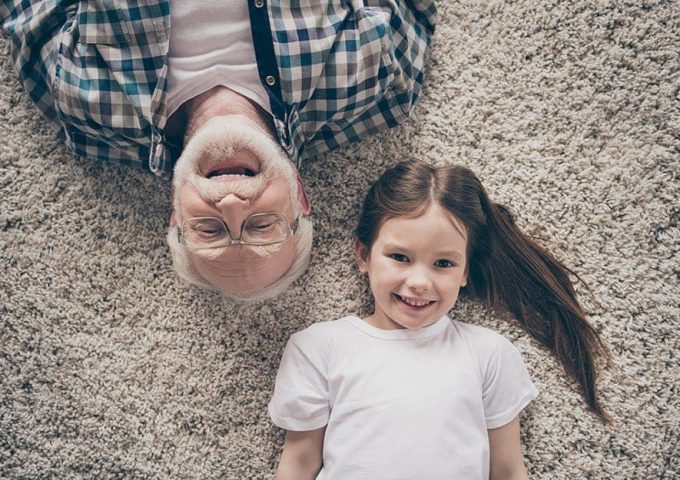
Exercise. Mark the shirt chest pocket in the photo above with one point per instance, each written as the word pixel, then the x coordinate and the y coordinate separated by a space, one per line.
pixel 122 23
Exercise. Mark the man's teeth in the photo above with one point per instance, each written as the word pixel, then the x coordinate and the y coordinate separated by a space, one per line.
pixel 241 171
pixel 415 302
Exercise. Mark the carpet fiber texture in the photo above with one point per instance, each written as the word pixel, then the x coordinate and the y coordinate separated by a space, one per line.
pixel 568 111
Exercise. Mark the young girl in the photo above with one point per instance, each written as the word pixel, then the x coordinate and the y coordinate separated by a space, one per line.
pixel 407 393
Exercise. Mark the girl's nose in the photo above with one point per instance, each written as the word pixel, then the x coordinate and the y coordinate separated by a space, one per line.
pixel 418 280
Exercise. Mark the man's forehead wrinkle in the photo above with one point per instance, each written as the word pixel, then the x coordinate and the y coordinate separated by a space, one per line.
pixel 240 271
pixel 251 264
pixel 245 253
pixel 243 260
pixel 241 264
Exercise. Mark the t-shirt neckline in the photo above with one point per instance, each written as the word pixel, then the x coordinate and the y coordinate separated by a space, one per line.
pixel 399 334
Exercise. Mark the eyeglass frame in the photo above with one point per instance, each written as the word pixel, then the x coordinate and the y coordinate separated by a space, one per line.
pixel 292 229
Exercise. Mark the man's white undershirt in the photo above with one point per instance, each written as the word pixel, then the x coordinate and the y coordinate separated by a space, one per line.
pixel 211 44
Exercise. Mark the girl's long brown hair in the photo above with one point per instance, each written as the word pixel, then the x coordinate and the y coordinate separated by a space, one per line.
pixel 505 267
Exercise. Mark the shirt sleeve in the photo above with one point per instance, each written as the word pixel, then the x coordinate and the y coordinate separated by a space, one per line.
pixel 301 400
pixel 508 389
pixel 35 29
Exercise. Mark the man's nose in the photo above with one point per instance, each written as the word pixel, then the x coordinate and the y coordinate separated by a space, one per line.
pixel 232 201
pixel 234 210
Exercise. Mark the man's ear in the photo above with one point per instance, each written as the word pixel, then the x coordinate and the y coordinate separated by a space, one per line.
pixel 303 201
pixel 362 253
pixel 173 218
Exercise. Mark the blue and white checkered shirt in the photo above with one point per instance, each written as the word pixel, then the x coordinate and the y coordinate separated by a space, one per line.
pixel 335 71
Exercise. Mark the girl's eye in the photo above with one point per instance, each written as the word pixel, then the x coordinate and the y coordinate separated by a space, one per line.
pixel 398 257
pixel 442 263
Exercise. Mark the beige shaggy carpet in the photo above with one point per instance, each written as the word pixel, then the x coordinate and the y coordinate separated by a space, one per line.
pixel 570 114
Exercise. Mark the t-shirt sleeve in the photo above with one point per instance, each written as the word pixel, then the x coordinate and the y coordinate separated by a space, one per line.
pixel 300 401
pixel 508 389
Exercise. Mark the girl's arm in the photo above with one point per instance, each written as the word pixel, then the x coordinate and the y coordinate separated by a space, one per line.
pixel 507 462
pixel 301 457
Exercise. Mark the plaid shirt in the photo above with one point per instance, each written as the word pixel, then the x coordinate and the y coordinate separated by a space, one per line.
pixel 335 71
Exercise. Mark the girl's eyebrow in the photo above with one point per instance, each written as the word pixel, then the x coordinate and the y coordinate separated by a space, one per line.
pixel 394 246
pixel 450 253
pixel 443 253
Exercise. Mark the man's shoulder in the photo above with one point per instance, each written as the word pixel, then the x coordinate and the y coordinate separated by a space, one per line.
pixel 95 71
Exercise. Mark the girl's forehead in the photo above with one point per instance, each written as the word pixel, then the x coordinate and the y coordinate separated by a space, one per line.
pixel 434 218
pixel 435 226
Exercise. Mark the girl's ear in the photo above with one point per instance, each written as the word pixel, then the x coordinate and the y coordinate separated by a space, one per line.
pixel 361 252
pixel 465 275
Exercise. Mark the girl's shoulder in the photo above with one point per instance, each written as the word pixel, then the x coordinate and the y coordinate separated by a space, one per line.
pixel 322 334
pixel 326 328
pixel 480 339
pixel 475 332
pixel 496 357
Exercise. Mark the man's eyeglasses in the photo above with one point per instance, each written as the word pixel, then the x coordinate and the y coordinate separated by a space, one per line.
pixel 258 229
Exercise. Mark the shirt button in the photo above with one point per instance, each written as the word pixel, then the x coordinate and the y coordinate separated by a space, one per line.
pixel 259 3
pixel 270 80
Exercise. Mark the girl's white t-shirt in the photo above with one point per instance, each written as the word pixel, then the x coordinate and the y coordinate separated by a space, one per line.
pixel 400 404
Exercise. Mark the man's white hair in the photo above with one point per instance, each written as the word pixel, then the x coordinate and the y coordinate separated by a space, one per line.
pixel 187 272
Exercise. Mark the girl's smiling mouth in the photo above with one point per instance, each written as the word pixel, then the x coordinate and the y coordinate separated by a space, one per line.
pixel 416 303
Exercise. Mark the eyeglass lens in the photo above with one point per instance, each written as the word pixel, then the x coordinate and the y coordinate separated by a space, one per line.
pixel 258 229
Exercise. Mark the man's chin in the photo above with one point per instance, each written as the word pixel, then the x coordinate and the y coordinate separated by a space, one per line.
pixel 230 148
pixel 218 143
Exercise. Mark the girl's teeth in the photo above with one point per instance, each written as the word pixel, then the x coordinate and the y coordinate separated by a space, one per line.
pixel 415 303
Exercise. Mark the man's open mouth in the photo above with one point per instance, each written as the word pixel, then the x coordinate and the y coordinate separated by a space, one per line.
pixel 238 170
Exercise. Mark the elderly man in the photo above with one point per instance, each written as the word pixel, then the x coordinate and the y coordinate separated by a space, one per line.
pixel 231 96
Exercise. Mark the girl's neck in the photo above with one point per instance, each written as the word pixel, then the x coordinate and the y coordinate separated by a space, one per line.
pixel 381 322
